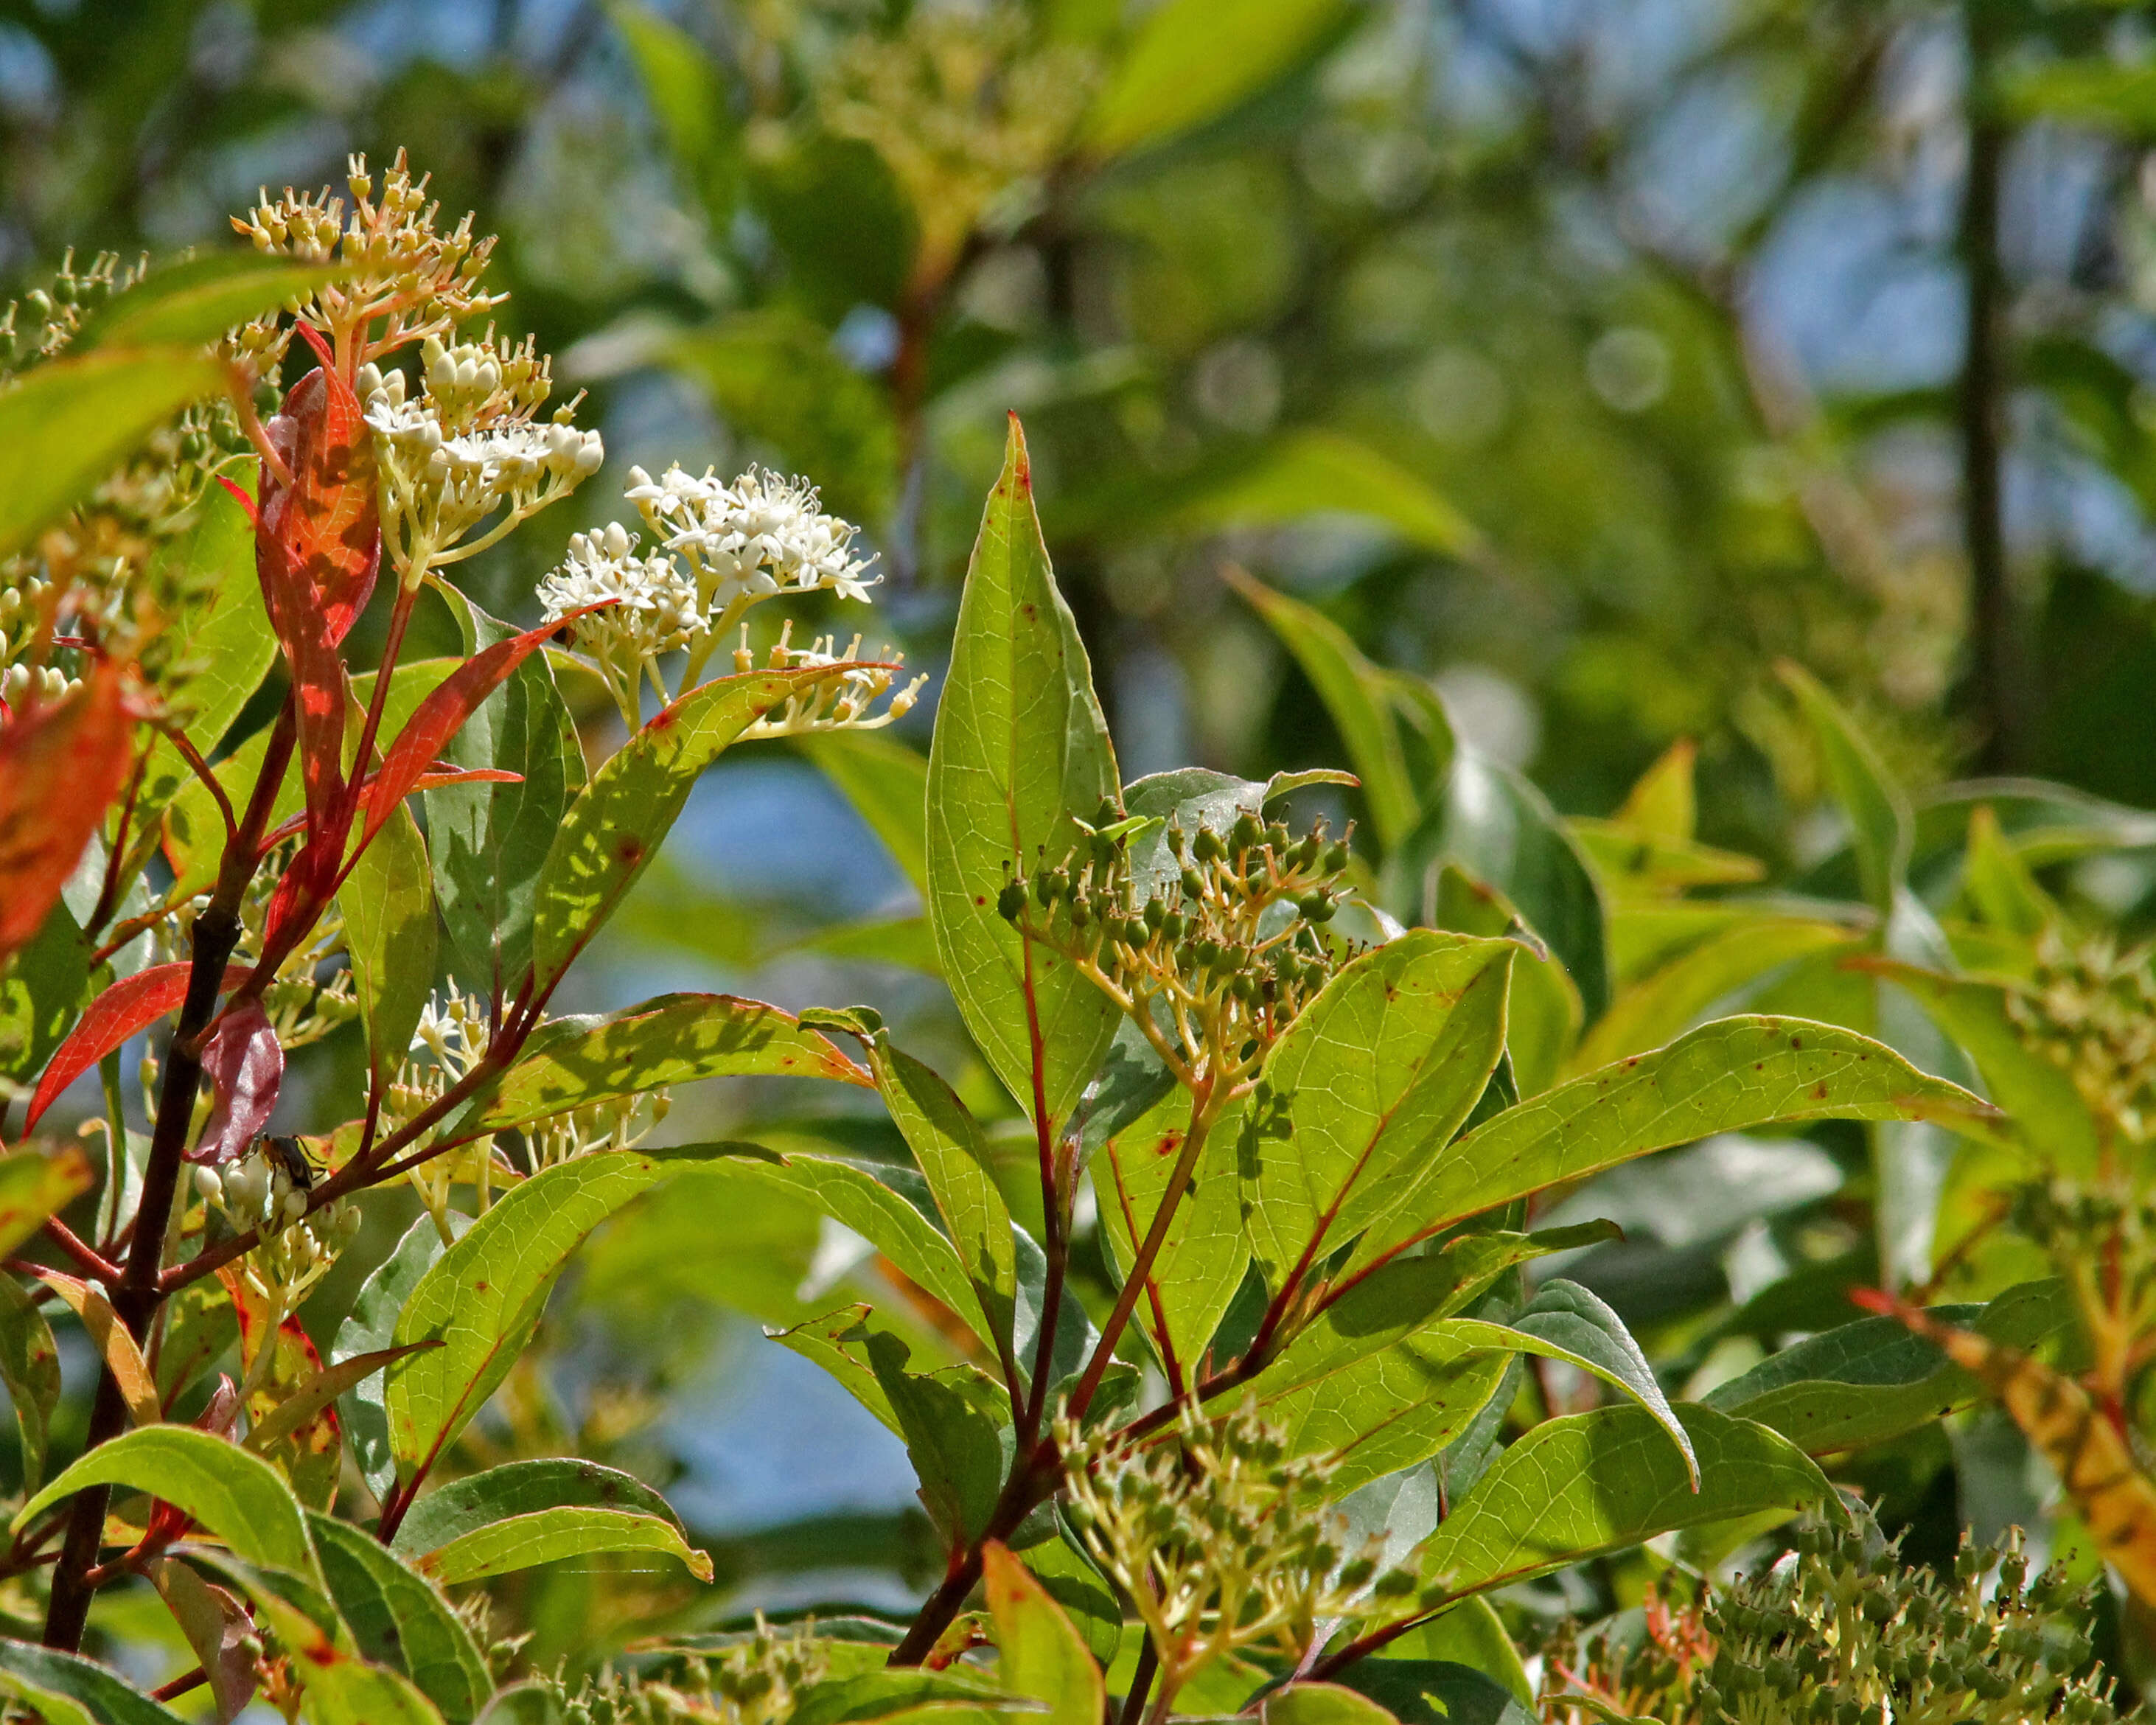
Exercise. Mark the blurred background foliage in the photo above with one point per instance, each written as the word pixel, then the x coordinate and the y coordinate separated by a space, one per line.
pixel 1582 359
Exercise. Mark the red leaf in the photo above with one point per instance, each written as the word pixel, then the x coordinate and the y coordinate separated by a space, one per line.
pixel 130 1005
pixel 327 521
pixel 60 766
pixel 441 715
pixel 434 778
pixel 245 1064
pixel 317 544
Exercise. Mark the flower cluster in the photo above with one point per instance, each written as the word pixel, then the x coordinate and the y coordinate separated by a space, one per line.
pixel 756 1680
pixel 847 701
pixel 2091 1010
pixel 718 548
pixel 1836 1633
pixel 41 325
pixel 650 608
pixel 467 446
pixel 452 1039
pixel 267 1189
pixel 756 536
pixel 1222 1540
pixel 406 276
pixel 1211 943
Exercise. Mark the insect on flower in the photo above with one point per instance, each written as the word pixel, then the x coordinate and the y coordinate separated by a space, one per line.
pixel 290 1155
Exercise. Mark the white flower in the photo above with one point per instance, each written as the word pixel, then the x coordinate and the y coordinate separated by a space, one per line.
pixel 656 609
pixel 761 535
pixel 466 447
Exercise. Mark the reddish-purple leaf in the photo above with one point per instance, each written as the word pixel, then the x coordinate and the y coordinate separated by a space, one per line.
pixel 441 715
pixel 132 1004
pixel 245 1064
pixel 60 766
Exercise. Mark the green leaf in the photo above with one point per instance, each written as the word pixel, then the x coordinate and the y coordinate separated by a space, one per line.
pixel 197 302
pixel 200 1324
pixel 953 1424
pixel 370 1327
pixel 44 986
pixel 864 1197
pixel 675 1039
pixel 1193 60
pixel 65 1689
pixel 948 1144
pixel 614 829
pixel 1321 1704
pixel 64 426
pixel 1567 1321
pixel 345 1691
pixel 1727 1076
pixel 1664 1005
pixel 1376 1412
pixel 1879 819
pixel 1020 754
pixel 1587 1484
pixel 1865 1383
pixel 2047 1109
pixel 478 1501
pixel 1501 829
pixel 227 642
pixel 1470 1634
pixel 548 1535
pixel 30 1367
pixel 775 376
pixel 887 783
pixel 1377 1072
pixel 1542 1009
pixel 1070 1577
pixel 1311 470
pixel 952 1696
pixel 1203 1256
pixel 837 1342
pixel 387 903
pixel 1039 1653
pixel 1355 693
pixel 398 1618
pixel 1436 1692
pixel 490 841
pixel 483 1297
pixel 239 1497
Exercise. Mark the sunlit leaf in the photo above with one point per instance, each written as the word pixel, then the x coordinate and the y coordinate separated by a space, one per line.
pixel 1038 1653
pixel 484 1295
pixel 1376 1074
pixel 65 1689
pixel 618 821
pixel 237 1496
pixel 1020 754
pixel 1584 1484
pixel 399 1620
pixel 675 1039
pixel 64 426
pixel 1727 1076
